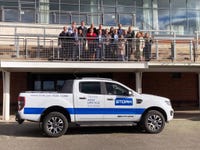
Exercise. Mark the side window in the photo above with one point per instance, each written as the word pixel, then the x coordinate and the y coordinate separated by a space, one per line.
pixel 90 87
pixel 115 89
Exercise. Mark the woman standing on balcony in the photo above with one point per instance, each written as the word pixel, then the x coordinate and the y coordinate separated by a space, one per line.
pixel 147 48
pixel 91 37
pixel 139 46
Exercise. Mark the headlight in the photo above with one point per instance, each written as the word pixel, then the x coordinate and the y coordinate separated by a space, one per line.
pixel 168 103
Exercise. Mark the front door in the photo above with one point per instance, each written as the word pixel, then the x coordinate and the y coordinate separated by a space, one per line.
pixel 118 103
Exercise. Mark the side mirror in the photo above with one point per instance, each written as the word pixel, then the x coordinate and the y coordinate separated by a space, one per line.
pixel 130 93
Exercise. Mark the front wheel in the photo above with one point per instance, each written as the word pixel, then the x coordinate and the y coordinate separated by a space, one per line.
pixel 55 124
pixel 153 122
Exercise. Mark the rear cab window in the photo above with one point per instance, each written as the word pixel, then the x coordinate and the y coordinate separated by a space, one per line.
pixel 90 87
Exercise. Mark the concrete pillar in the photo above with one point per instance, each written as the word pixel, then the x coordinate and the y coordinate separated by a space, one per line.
pixel 6 95
pixel 199 88
pixel 138 76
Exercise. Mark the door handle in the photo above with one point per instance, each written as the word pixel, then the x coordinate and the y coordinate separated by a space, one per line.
pixel 82 97
pixel 110 99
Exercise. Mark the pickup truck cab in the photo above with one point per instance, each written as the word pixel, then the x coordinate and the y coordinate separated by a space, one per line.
pixel 93 101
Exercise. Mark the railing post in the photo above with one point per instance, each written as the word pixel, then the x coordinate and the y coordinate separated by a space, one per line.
pixel 173 50
pixel 197 42
pixel 26 50
pixel 126 51
pixel 191 51
pixel 38 47
pixel 79 48
pixel 157 53
pixel 17 46
pixel 52 43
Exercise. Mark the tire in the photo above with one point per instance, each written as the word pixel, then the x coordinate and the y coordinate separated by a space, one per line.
pixel 55 124
pixel 153 122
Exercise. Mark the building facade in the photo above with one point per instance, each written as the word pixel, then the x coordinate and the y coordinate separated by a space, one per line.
pixel 182 16
pixel 175 79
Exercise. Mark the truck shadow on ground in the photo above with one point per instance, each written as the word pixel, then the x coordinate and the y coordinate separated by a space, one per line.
pixel 33 130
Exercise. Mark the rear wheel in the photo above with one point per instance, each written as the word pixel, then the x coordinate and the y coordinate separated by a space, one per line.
pixel 153 122
pixel 55 124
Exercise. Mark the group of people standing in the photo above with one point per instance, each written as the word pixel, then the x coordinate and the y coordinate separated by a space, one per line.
pixel 104 43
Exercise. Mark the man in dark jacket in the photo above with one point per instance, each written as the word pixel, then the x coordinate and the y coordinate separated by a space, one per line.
pixel 62 41
pixel 83 28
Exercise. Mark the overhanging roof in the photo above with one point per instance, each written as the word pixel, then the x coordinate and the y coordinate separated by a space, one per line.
pixel 89 66
pixel 65 66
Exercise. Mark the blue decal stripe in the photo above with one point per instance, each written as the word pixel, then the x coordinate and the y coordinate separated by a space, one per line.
pixel 91 111
pixel 107 111
pixel 33 110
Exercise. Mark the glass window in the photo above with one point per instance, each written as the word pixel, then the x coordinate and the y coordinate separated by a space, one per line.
pixel 109 2
pixel 109 9
pixel 147 4
pixel 125 9
pixel 163 3
pixel 68 86
pixel 67 7
pixel 59 84
pixel 9 3
pixel 89 1
pixel 93 19
pixel 28 16
pixel 55 18
pixel 178 4
pixel 54 5
pixel 163 19
pixel 139 3
pixel 115 89
pixel 11 15
pixel 48 86
pixel 194 4
pixel 179 21
pixel 125 19
pixel 69 1
pixel 193 21
pixel 126 2
pixel 78 18
pixel 37 85
pixel 109 19
pixel 28 4
pixel 90 87
pixel 139 18
pixel 89 8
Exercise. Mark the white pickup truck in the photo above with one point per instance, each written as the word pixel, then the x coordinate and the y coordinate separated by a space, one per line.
pixel 93 101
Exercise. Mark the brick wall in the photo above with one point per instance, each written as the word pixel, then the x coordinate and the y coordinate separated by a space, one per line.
pixel 126 78
pixel 181 88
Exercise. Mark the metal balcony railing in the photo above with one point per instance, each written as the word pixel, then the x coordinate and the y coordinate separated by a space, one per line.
pixel 86 49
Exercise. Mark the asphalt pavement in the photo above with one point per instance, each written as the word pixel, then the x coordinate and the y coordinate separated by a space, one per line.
pixel 182 133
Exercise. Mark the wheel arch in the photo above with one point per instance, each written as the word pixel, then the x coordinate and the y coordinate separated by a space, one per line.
pixel 56 109
pixel 155 108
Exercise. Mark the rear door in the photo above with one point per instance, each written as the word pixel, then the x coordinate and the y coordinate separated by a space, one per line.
pixel 89 101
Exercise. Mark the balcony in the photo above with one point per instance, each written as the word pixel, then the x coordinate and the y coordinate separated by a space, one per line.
pixel 39 48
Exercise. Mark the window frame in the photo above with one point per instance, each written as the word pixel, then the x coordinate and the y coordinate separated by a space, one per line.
pixel 100 88
pixel 122 87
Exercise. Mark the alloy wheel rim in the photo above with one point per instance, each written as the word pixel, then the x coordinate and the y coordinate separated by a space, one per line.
pixel 55 125
pixel 154 122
